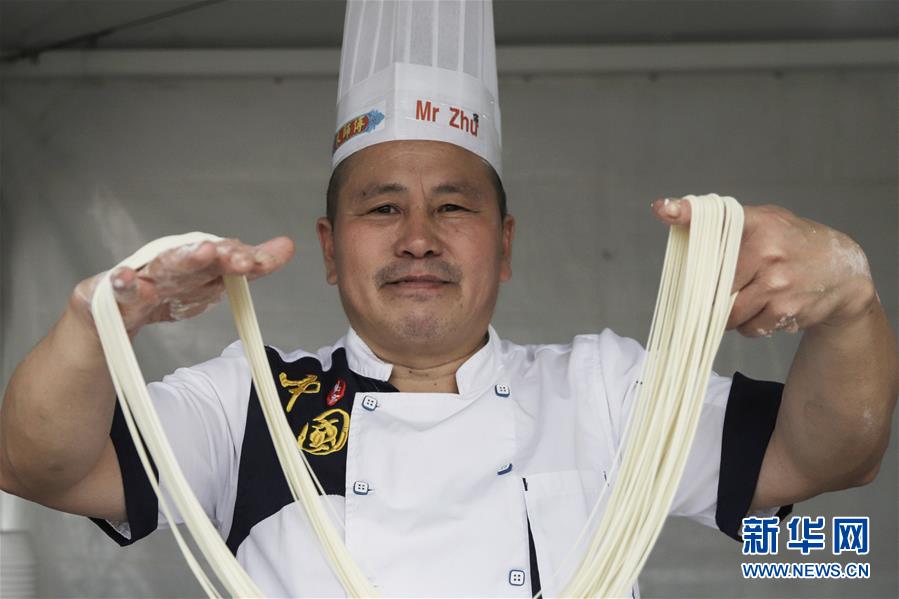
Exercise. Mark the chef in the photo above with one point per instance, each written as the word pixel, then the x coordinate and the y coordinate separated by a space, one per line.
pixel 457 463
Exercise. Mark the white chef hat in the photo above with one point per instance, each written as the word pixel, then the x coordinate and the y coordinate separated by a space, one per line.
pixel 418 70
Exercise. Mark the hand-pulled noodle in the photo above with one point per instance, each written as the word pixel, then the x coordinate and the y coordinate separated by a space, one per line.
pixel 691 310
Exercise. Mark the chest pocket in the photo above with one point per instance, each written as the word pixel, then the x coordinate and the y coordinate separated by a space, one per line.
pixel 558 506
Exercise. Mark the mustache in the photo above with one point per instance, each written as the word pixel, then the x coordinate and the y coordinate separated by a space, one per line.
pixel 434 267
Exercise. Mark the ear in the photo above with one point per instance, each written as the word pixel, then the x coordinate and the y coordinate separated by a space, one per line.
pixel 326 238
pixel 505 272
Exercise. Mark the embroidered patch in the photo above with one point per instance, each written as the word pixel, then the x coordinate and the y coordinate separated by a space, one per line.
pixel 336 393
pixel 364 123
pixel 307 384
pixel 326 433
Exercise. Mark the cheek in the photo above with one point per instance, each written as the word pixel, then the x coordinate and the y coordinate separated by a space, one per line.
pixel 481 254
pixel 358 255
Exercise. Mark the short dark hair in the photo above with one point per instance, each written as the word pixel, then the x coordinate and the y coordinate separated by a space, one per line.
pixel 339 174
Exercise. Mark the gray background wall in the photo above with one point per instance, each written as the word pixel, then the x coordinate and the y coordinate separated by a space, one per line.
pixel 92 168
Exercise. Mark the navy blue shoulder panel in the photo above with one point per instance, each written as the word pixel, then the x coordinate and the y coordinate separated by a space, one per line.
pixel 752 410
pixel 318 404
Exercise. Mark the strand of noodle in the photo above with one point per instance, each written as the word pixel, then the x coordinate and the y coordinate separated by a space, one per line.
pixel 660 329
pixel 667 402
pixel 675 255
pixel 296 470
pixel 193 564
pixel 147 431
pixel 135 400
pixel 685 387
pixel 674 252
pixel 624 482
pixel 640 499
pixel 692 307
pixel 686 418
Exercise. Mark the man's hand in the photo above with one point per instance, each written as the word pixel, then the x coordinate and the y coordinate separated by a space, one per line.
pixel 55 447
pixel 792 273
pixel 185 281
pixel 833 425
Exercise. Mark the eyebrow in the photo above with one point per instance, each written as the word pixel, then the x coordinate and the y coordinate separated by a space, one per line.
pixel 450 187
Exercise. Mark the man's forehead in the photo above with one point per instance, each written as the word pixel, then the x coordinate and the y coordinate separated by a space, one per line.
pixel 436 186
pixel 415 155
pixel 405 147
pixel 403 163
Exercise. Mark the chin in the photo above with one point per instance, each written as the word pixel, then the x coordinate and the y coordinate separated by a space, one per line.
pixel 424 328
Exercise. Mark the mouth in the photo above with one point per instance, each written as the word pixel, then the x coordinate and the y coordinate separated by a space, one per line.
pixel 418 283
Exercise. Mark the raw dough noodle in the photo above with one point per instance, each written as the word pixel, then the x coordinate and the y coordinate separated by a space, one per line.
pixel 691 310
pixel 141 416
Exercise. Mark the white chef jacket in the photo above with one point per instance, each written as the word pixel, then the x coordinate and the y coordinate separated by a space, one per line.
pixel 477 493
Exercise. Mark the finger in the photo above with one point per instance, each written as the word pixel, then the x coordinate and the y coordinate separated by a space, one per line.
pixel 271 256
pixel 747 270
pixel 185 281
pixel 672 211
pixel 125 286
pixel 182 269
pixel 198 302
pixel 773 284
pixel 140 303
pixel 209 293
pixel 280 248
pixel 755 260
pixel 748 305
pixel 182 310
pixel 84 291
pixel 234 257
pixel 769 321
pixel 172 267
pixel 176 271
pixel 786 308
pixel 753 217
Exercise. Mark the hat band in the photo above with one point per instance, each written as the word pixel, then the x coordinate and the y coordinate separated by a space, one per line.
pixel 423 103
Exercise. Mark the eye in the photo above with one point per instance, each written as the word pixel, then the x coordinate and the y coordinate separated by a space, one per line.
pixel 384 209
pixel 451 208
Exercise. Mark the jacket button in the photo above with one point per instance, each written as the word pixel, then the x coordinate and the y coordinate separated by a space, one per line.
pixel 360 487
pixel 369 403
pixel 516 578
pixel 502 390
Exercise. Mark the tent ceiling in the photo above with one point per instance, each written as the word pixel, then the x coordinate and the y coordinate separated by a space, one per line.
pixel 318 23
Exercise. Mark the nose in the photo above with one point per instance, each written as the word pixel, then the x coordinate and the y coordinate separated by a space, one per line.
pixel 418 236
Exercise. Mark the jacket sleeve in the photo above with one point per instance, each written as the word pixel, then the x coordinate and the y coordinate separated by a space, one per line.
pixel 203 412
pixel 735 425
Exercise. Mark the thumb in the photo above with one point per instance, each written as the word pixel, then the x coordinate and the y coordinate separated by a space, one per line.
pixel 672 211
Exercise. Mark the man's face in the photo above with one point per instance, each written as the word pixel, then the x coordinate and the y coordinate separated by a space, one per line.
pixel 417 249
